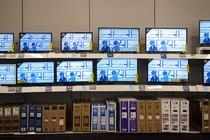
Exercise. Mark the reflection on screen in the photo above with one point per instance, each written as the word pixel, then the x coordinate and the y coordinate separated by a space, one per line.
pixel 35 42
pixel 204 32
pixel 166 40
pixel 168 70
pixel 114 69
pixel 74 71
pixel 36 72
pixel 6 42
pixel 118 39
pixel 76 41
pixel 206 78
pixel 8 74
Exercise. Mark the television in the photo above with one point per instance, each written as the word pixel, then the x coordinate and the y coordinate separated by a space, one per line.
pixel 7 42
pixel 76 41
pixel 35 42
pixel 35 72
pixel 118 39
pixel 117 70
pixel 204 32
pixel 75 71
pixel 163 40
pixel 8 74
pixel 168 70
pixel 206 72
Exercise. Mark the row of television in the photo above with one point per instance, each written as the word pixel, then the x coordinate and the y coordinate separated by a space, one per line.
pixel 109 40
pixel 106 70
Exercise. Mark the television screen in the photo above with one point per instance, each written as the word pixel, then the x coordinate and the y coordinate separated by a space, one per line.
pixel 206 72
pixel 35 72
pixel 166 39
pixel 204 32
pixel 118 39
pixel 168 70
pixel 8 74
pixel 6 42
pixel 117 69
pixel 35 42
pixel 75 71
pixel 78 41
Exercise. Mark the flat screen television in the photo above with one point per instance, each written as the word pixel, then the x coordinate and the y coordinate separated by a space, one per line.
pixel 168 71
pixel 204 32
pixel 8 74
pixel 35 72
pixel 118 39
pixel 6 42
pixel 117 70
pixel 76 41
pixel 206 72
pixel 35 42
pixel 166 40
pixel 78 71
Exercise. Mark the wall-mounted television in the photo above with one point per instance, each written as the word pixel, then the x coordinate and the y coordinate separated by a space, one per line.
pixel 35 72
pixel 35 42
pixel 75 71
pixel 117 70
pixel 6 42
pixel 168 71
pixel 166 40
pixel 76 41
pixel 118 39
pixel 206 72
pixel 204 26
pixel 8 74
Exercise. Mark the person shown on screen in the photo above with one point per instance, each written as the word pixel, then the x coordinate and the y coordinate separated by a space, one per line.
pixel 62 77
pixel 164 45
pixel 23 78
pixel 75 46
pixel 103 76
pixel 25 47
pixel 33 48
pixel 105 47
pixel 206 38
pixel 152 47
pixel 116 47
pixel 33 78
pixel 114 75
pixel 66 46
pixel 72 77
pixel 165 76
pixel 208 80
pixel 154 77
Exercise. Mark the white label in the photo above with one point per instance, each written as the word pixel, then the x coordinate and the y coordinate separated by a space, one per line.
pixel 133 115
pixel 124 115
pixel 46 120
pixel 7 111
pixel 1 111
pixel 32 114
pixel 103 119
pixel 150 117
pixel 15 111
pixel 39 115
pixel 111 120
pixel 61 122
pixel 157 117
pixel 95 119
pixel 206 116
pixel 23 114
pixel 141 117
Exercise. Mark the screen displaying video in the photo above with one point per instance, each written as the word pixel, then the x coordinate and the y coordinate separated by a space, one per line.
pixel 204 32
pixel 8 74
pixel 6 42
pixel 206 72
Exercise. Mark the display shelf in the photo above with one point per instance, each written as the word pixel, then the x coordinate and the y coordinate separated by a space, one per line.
pixel 106 88
pixel 100 55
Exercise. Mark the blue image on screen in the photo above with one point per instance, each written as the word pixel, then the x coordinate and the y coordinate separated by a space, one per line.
pixel 206 75
pixel 76 41
pixel 36 72
pixel 8 74
pixel 166 40
pixel 6 42
pixel 74 71
pixel 118 39
pixel 114 69
pixel 35 42
pixel 168 70
pixel 204 32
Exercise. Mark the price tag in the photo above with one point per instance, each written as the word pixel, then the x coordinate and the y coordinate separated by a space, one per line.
pixel 186 88
pixel 69 88
pixel 73 55
pixel 11 89
pixel 18 89
pixel 3 55
pixel 138 48
pixel 131 88
pixel 21 55
pixel 92 87
pixel 205 88
pixel 182 55
pixel 163 55
pixel 48 89
pixel 11 55
pixel 109 54
pixel 83 55
pixel 84 88
pixel 141 87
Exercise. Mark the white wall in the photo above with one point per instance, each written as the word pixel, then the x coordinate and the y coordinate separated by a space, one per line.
pixel 73 15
